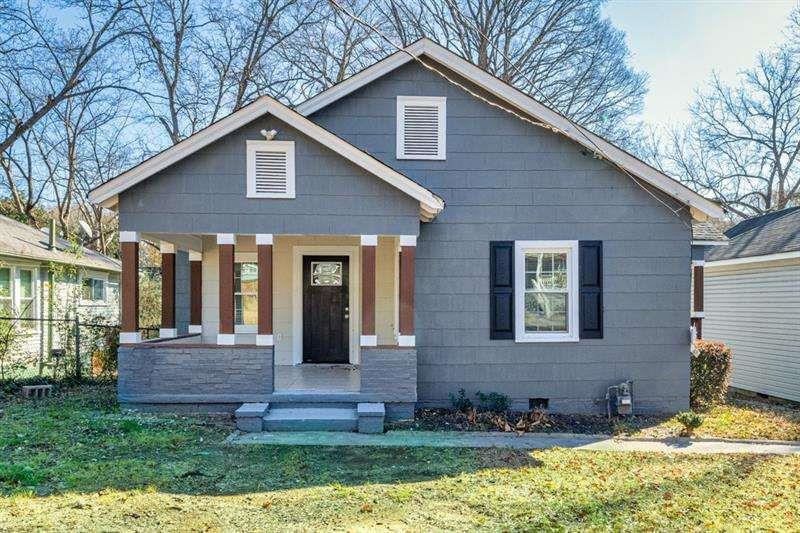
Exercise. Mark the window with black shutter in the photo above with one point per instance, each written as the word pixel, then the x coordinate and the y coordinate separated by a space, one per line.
pixel 591 289
pixel 501 290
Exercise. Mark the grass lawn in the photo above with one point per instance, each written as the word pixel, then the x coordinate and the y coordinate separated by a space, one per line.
pixel 739 418
pixel 76 462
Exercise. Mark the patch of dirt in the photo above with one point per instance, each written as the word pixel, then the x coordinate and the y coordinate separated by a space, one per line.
pixel 527 421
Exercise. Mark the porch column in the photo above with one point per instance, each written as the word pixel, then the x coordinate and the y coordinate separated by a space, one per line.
pixel 225 243
pixel 369 244
pixel 408 248
pixel 167 330
pixel 264 248
pixel 698 268
pixel 195 292
pixel 129 327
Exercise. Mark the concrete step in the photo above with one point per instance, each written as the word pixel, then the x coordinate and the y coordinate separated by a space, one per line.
pixel 311 418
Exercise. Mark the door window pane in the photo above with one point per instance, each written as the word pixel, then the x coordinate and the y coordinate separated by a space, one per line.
pixel 326 273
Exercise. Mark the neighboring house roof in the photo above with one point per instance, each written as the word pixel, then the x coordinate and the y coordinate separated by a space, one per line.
pixel 22 241
pixel 774 234
pixel 710 232
pixel 523 102
pixel 106 194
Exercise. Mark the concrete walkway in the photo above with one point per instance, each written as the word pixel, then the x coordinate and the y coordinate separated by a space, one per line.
pixel 531 441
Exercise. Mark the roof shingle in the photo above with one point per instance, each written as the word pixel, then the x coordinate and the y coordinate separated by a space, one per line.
pixel 772 233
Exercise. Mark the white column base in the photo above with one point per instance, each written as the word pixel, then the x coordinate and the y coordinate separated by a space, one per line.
pixel 407 340
pixel 195 329
pixel 226 339
pixel 130 337
pixel 265 340
pixel 369 340
pixel 167 333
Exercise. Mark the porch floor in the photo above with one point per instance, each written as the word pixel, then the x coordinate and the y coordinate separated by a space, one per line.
pixel 311 378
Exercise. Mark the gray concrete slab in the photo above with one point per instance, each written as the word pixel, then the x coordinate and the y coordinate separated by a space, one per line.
pixel 534 441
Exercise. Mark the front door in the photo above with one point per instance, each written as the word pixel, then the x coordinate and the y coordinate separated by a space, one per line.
pixel 326 311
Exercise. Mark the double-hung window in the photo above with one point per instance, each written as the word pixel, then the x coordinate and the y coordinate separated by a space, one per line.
pixel 245 296
pixel 18 294
pixel 546 291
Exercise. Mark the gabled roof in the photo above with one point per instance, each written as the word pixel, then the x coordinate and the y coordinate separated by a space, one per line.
pixel 106 194
pixel 701 207
pixel 765 235
pixel 25 242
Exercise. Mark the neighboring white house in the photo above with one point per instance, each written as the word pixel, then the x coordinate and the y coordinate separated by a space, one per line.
pixel 42 278
pixel 752 302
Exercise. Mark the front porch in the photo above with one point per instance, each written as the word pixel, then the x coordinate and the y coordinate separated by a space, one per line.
pixel 273 318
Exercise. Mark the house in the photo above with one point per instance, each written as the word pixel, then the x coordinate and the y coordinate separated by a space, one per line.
pixel 44 278
pixel 752 302
pixel 399 237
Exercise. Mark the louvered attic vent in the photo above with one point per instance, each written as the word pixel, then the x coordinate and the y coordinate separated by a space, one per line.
pixel 270 169
pixel 421 125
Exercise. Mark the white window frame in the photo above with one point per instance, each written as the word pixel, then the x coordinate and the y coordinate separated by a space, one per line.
pixel 270 146
pixel 441 103
pixel 571 249
pixel 16 293
pixel 244 257
pixel 97 276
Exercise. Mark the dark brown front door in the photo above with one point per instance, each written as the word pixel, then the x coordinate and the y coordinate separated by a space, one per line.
pixel 326 312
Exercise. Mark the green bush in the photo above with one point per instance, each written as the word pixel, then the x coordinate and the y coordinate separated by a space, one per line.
pixel 690 421
pixel 461 402
pixel 711 370
pixel 495 402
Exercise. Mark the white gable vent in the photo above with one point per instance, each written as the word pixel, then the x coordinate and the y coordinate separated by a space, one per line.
pixel 421 122
pixel 270 169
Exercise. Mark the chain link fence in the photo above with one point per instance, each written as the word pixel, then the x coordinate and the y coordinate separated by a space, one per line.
pixel 59 348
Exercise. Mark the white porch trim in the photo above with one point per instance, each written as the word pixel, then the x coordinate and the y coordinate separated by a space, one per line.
pixel 130 337
pixel 407 341
pixel 167 333
pixel 265 340
pixel 368 341
pixel 195 329
pixel 226 339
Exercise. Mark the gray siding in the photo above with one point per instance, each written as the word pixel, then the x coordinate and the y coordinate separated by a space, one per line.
pixel 755 309
pixel 206 193
pixel 507 180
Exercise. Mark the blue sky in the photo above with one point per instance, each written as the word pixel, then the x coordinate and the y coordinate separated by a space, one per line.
pixel 681 42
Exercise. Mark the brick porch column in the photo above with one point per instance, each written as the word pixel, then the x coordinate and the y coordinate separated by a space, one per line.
pixel 698 267
pixel 129 327
pixel 408 248
pixel 195 292
pixel 369 245
pixel 167 329
pixel 264 248
pixel 226 243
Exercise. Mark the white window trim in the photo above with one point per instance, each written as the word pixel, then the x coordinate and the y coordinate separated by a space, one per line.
pixel 93 275
pixel 16 292
pixel 571 248
pixel 270 146
pixel 441 103
pixel 244 257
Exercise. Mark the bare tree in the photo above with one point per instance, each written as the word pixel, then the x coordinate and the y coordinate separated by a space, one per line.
pixel 562 53
pixel 327 52
pixel 743 142
pixel 42 65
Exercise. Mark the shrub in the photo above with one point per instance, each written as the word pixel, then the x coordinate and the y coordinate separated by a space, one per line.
pixel 461 402
pixel 711 369
pixel 493 401
pixel 690 421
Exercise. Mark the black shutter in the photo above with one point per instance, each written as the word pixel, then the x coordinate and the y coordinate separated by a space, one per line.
pixel 591 289
pixel 501 289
